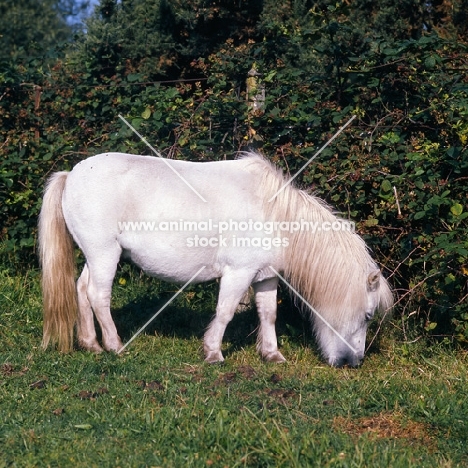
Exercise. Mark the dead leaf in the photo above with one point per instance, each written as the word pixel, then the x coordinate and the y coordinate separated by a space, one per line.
pixel 38 384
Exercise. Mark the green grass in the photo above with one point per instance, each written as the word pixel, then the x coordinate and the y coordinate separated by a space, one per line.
pixel 159 404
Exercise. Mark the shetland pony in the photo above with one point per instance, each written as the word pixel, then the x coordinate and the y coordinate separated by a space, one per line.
pixel 244 224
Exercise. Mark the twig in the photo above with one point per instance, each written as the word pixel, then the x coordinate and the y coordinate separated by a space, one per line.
pixel 6 141
pixel 403 261
pixel 397 201
pixel 414 287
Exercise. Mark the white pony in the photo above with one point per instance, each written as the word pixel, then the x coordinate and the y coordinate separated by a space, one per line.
pixel 235 220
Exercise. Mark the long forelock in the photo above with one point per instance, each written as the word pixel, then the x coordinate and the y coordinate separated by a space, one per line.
pixel 386 299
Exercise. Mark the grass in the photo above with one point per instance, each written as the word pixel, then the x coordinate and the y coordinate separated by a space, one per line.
pixel 159 404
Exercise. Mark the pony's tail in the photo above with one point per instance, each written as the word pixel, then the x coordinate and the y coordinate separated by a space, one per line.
pixel 56 254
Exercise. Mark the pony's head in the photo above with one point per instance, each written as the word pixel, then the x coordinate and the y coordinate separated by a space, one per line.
pixel 342 341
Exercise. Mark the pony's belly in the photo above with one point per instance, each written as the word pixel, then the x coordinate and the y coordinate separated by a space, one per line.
pixel 174 265
pixel 175 258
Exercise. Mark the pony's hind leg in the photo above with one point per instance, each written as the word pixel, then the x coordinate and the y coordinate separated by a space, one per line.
pixel 101 275
pixel 265 300
pixel 233 286
pixel 85 324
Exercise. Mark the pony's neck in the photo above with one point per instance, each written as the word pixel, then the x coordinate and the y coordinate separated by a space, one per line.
pixel 324 260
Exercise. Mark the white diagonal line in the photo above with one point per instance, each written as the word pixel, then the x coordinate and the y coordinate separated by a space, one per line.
pixel 313 310
pixel 158 154
pixel 312 158
pixel 142 138
pixel 161 309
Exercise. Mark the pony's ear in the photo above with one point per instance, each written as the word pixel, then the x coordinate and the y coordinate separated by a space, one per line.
pixel 373 281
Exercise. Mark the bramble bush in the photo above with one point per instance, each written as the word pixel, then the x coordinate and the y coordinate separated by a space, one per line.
pixel 400 170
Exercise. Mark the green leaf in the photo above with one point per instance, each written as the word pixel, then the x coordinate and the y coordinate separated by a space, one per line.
pixel 136 123
pixel 386 186
pixel 371 222
pixel 269 77
pixel 430 62
pixel 456 209
pixel 146 114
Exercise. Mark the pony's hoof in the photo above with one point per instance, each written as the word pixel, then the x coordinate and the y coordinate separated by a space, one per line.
pixel 275 356
pixel 214 357
pixel 115 347
pixel 93 347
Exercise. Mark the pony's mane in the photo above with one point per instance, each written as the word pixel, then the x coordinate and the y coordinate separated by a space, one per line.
pixel 329 268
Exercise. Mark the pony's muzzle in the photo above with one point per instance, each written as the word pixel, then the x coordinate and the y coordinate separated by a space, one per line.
pixel 349 360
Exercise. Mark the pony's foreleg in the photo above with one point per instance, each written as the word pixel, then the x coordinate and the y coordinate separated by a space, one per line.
pixel 99 293
pixel 233 287
pixel 85 324
pixel 265 300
